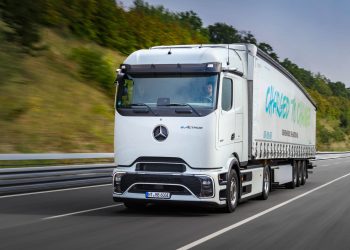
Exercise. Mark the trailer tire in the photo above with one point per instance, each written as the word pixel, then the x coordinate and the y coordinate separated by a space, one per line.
pixel 292 184
pixel 266 183
pixel 303 173
pixel 298 173
pixel 232 193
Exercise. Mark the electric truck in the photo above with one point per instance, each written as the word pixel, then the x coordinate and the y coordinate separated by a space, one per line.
pixel 209 124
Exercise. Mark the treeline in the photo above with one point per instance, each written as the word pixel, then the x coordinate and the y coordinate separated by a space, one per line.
pixel 103 21
pixel 109 24
pixel 142 26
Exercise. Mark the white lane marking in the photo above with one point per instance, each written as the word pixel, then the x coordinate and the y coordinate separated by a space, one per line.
pixel 52 191
pixel 242 222
pixel 80 212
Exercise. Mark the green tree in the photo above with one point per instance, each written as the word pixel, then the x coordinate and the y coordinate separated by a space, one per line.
pixel 159 27
pixel 94 67
pixel 344 120
pixel 223 33
pixel 303 76
pixel 267 48
pixel 338 89
pixel 247 37
pixel 23 16
pixel 108 22
pixel 8 54
pixel 191 19
pixel 321 85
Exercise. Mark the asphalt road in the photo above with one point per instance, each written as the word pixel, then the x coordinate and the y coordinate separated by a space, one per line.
pixel 314 216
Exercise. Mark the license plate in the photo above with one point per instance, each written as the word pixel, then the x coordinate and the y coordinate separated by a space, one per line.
pixel 158 195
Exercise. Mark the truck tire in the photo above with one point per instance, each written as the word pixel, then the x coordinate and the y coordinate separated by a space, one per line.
pixel 292 184
pixel 266 183
pixel 232 188
pixel 298 173
pixel 303 173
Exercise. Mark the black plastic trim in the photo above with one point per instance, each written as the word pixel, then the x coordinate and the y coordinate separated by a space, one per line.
pixel 247 189
pixel 249 197
pixel 160 167
pixel 151 69
pixel 145 201
pixel 253 166
pixel 247 176
pixel 165 112
pixel 193 183
pixel 243 163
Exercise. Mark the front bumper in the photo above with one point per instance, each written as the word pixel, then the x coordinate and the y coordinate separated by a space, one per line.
pixel 183 187
pixel 201 203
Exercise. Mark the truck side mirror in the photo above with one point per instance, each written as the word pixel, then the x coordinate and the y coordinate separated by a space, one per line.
pixel 120 77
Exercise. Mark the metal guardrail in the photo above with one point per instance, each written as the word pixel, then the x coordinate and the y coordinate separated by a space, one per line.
pixel 20 180
pixel 29 179
pixel 54 156
pixel 331 155
pixel 333 152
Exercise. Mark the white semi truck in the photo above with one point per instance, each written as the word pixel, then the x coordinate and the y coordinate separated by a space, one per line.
pixel 209 124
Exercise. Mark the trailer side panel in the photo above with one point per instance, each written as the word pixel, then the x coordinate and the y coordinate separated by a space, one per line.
pixel 284 118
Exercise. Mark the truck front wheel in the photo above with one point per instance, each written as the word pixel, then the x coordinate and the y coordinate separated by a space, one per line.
pixel 232 188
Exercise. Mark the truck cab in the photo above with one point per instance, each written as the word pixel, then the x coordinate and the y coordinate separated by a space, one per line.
pixel 181 127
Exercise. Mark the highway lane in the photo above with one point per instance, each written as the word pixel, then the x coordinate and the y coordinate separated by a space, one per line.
pixel 316 221
pixel 320 221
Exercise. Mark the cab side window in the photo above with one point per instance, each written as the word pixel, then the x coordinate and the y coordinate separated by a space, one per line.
pixel 125 93
pixel 227 94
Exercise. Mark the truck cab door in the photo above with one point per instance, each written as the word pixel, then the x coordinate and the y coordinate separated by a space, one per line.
pixel 226 133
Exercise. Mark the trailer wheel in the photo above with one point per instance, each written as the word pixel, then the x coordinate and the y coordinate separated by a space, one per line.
pixel 292 184
pixel 266 183
pixel 299 177
pixel 232 188
pixel 303 173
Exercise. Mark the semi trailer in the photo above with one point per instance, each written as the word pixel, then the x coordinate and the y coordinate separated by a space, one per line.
pixel 209 124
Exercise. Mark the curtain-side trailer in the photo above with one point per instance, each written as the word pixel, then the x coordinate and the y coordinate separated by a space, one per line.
pixel 209 124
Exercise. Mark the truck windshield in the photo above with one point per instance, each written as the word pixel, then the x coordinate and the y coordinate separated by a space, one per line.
pixel 198 91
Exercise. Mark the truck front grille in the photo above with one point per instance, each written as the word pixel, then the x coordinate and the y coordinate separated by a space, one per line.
pixel 191 182
pixel 175 190
pixel 161 167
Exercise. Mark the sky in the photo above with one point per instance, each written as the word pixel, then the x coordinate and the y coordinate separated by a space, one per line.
pixel 314 34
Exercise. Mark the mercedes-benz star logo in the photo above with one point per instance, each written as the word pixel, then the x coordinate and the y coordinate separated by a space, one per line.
pixel 160 133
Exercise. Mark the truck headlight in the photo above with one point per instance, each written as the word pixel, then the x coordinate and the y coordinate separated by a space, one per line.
pixel 117 180
pixel 207 187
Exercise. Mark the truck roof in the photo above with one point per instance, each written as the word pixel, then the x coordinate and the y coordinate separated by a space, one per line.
pixel 206 53
pixel 189 54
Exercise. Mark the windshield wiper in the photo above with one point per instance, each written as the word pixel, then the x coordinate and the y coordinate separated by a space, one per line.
pixel 143 105
pixel 182 105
